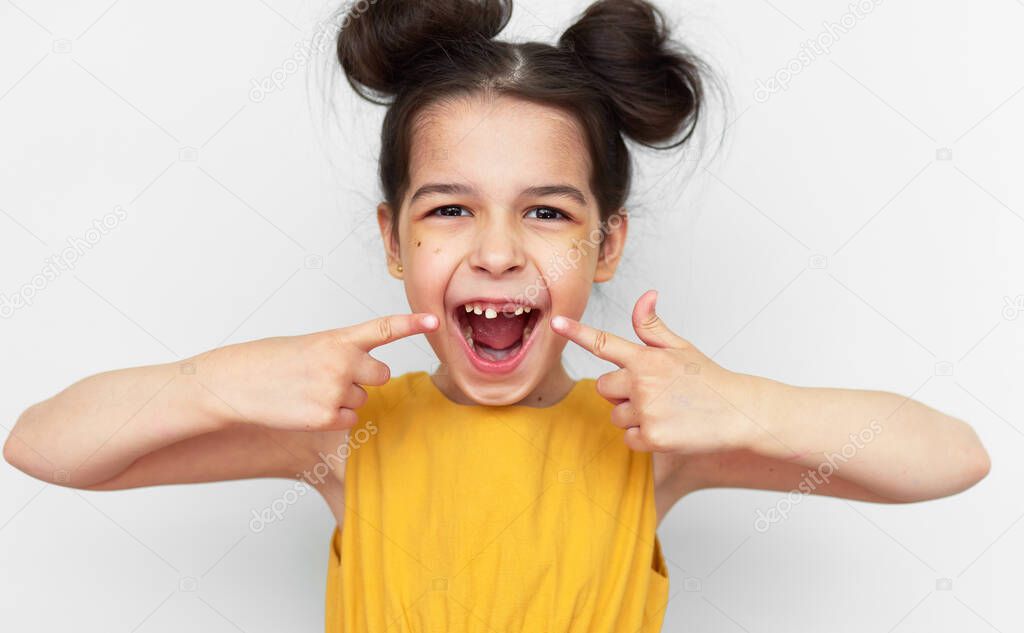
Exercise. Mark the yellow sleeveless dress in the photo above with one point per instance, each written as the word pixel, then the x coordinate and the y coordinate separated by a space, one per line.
pixel 494 519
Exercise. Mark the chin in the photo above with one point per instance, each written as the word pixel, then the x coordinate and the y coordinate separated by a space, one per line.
pixel 493 394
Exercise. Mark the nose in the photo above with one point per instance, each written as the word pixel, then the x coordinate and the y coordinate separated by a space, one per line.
pixel 497 249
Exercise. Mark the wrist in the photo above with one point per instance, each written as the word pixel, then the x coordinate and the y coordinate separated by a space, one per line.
pixel 197 378
pixel 767 418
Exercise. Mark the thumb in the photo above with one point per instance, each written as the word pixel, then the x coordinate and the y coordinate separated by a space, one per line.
pixel 649 326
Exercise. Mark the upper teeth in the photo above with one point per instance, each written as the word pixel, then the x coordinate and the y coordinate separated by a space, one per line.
pixel 491 312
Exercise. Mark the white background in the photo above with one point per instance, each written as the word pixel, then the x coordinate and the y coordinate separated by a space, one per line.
pixel 148 105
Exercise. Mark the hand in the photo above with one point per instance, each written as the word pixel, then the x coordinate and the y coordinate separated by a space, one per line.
pixel 303 383
pixel 668 396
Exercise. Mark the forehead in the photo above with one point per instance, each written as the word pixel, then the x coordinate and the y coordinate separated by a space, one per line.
pixel 499 143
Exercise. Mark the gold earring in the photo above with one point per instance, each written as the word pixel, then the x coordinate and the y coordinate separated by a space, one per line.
pixel 400 268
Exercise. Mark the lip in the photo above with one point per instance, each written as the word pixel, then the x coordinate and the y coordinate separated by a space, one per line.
pixel 483 365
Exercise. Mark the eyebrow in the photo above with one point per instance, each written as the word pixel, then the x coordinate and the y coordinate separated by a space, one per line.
pixel 442 188
pixel 565 191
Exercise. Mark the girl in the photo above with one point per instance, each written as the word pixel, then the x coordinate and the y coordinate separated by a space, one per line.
pixel 497 493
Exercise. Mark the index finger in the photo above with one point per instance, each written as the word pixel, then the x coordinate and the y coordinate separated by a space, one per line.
pixel 384 330
pixel 598 342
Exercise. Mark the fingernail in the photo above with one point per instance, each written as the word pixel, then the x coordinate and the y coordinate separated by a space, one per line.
pixel 559 323
pixel 430 321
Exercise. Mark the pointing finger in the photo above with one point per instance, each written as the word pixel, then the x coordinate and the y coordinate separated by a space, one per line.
pixel 384 330
pixel 598 342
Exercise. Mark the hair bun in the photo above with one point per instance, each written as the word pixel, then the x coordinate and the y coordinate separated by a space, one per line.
pixel 654 85
pixel 378 45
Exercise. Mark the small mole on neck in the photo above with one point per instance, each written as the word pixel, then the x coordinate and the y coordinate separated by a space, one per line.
pixel 418 244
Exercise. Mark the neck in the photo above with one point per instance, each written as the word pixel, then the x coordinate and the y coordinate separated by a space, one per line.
pixel 555 385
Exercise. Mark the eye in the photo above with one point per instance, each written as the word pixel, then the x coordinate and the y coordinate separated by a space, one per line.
pixel 452 211
pixel 546 213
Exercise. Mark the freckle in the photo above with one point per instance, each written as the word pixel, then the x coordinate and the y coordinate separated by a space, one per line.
pixel 437 251
pixel 418 244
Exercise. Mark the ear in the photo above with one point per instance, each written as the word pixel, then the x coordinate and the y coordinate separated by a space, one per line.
pixel 388 234
pixel 615 229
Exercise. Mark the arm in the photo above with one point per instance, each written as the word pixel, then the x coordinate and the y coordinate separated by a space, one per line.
pixel 861 444
pixel 256 409
pixel 724 429
pixel 144 426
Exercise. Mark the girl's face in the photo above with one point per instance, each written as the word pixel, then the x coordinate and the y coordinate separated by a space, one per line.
pixel 498 232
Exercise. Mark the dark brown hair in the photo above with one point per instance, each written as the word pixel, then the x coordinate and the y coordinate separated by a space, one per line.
pixel 616 69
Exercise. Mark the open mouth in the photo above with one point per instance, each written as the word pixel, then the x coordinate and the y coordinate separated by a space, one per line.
pixel 496 335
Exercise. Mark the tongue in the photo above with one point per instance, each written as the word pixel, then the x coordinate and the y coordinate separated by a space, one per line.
pixel 499 333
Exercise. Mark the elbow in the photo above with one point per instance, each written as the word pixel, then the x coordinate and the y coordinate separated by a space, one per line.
pixel 967 463
pixel 974 464
pixel 27 456
pixel 980 464
pixel 9 455
pixel 14 453
pixel 17 456
pixel 977 463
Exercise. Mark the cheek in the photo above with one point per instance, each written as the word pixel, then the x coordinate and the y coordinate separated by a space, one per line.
pixel 574 250
pixel 430 264
pixel 570 294
pixel 567 262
